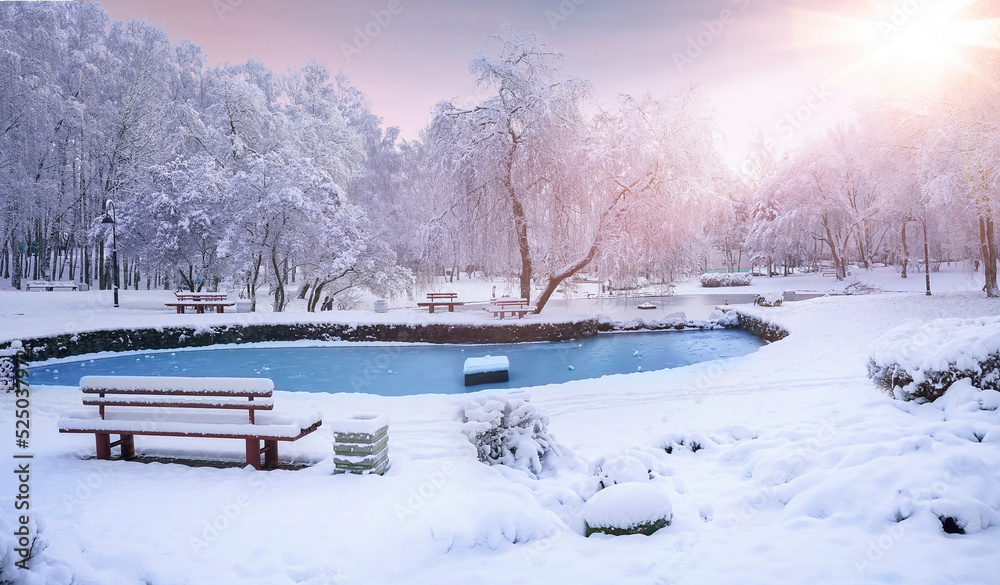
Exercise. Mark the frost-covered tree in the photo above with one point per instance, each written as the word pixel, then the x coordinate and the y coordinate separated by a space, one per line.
pixel 649 173
pixel 499 153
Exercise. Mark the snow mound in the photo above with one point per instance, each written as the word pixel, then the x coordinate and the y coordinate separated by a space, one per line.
pixel 770 298
pixel 621 469
pixel 919 361
pixel 628 508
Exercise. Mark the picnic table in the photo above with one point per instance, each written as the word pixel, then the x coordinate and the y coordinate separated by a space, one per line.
pixel 441 300
pixel 510 306
pixel 175 407
pixel 201 301
pixel 51 286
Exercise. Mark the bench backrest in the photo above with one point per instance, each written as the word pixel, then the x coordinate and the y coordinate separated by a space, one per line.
pixel 438 296
pixel 249 394
pixel 200 296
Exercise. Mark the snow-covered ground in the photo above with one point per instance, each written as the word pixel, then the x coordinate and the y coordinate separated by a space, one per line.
pixel 804 471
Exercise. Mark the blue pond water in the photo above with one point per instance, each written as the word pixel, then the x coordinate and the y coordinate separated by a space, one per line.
pixel 402 370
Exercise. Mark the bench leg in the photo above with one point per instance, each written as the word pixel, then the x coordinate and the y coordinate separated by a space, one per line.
pixel 451 308
pixel 253 453
pixel 128 446
pixel 103 445
pixel 270 454
pixel 430 309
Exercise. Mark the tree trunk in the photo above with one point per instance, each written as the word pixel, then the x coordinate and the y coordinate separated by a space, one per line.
pixel 15 279
pixel 565 273
pixel 521 230
pixel 989 252
pixel 906 251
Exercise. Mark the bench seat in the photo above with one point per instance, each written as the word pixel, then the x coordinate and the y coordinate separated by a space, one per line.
pixel 287 430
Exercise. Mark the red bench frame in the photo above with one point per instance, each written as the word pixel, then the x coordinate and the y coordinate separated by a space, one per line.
pixel 139 397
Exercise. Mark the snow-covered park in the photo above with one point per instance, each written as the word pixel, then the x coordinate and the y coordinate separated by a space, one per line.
pixel 317 177
pixel 785 465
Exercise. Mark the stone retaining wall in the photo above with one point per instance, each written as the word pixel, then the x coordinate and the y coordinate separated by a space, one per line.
pixel 68 345
pixel 74 344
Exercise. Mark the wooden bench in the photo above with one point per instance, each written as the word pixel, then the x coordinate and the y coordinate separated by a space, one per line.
pixel 185 407
pixel 507 306
pixel 200 306
pixel 51 286
pixel 441 300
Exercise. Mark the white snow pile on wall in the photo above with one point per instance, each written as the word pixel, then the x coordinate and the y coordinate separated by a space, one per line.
pixel 920 361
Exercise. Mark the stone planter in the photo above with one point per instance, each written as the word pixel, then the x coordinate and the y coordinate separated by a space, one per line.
pixel 361 445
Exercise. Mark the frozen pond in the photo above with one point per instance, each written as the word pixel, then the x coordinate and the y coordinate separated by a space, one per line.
pixel 401 370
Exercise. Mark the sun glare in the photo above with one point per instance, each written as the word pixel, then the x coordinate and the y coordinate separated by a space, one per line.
pixel 923 45
pixel 914 44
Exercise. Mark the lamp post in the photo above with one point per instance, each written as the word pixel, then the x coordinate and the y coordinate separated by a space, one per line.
pixel 114 241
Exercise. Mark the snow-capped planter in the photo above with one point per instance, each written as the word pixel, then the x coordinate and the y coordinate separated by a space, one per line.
pixel 919 361
pixel 361 444
pixel 621 469
pixel 715 280
pixel 628 508
pixel 771 298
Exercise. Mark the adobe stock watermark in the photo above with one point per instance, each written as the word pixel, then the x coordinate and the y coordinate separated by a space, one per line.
pixel 229 513
pixel 562 13
pixel 711 31
pixel 792 463
pixel 418 497
pixel 224 7
pixel 537 548
pixel 366 33
pixel 901 14
pixel 797 118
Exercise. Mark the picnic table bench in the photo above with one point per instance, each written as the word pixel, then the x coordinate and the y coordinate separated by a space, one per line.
pixel 504 306
pixel 201 301
pixel 441 300
pixel 185 407
pixel 51 286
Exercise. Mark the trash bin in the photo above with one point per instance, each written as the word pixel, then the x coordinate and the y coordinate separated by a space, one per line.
pixel 381 305
pixel 243 305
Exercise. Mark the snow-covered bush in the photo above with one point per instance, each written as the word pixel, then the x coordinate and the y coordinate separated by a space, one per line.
pixel 771 298
pixel 714 280
pixel 919 361
pixel 860 288
pixel 507 431
pixel 628 508
pixel 620 469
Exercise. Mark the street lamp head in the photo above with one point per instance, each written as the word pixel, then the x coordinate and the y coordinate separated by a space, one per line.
pixel 107 219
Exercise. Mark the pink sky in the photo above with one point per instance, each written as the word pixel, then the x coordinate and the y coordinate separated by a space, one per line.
pixel 759 61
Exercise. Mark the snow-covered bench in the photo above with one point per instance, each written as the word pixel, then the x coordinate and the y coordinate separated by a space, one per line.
pixel 186 407
pixel 51 286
